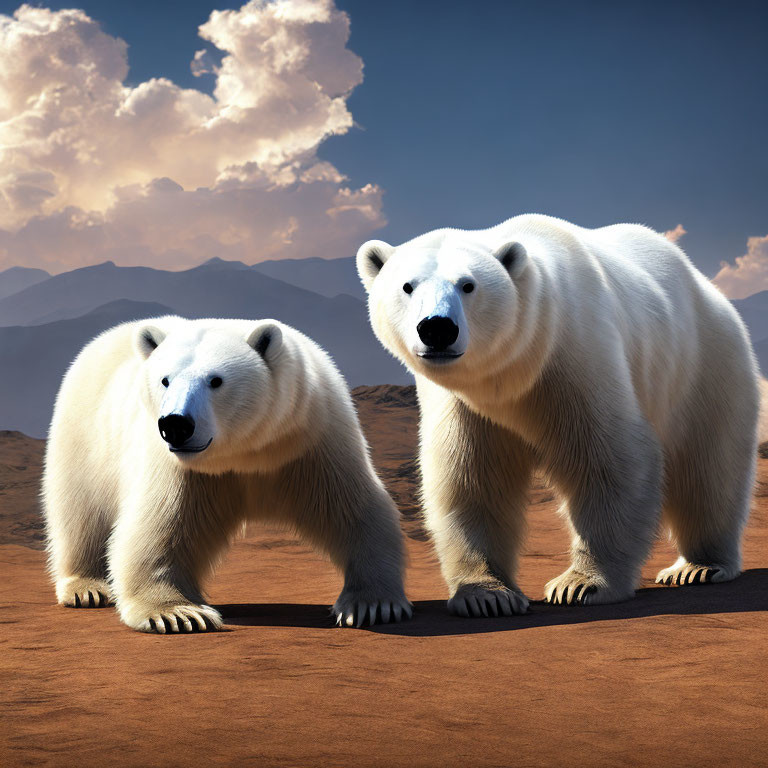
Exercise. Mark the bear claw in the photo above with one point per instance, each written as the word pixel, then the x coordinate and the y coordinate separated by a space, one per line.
pixel 182 619
pixel 571 588
pixel 77 592
pixel 476 601
pixel 90 599
pixel 356 613
pixel 687 573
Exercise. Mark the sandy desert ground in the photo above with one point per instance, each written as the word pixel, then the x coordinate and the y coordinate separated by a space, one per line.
pixel 677 677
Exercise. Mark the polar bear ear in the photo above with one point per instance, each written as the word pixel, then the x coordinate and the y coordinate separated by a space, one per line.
pixel 266 339
pixel 148 338
pixel 513 258
pixel 371 257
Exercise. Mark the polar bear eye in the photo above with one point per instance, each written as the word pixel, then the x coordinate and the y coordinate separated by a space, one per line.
pixel 408 288
pixel 468 287
pixel 216 382
pixel 164 382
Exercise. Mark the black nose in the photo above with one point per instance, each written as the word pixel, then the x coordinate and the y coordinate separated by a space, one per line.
pixel 438 332
pixel 176 429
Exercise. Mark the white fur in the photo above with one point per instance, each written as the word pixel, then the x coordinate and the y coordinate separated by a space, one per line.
pixel 602 356
pixel 762 430
pixel 131 521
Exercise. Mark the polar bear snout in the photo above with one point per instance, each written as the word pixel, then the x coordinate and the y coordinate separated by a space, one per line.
pixel 187 421
pixel 437 334
pixel 437 315
pixel 176 429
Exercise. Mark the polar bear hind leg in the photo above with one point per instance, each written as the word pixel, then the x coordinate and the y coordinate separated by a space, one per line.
pixel 707 505
pixel 710 479
pixel 77 546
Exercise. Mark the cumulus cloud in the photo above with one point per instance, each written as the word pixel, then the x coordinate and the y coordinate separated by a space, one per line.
pixel 675 234
pixel 94 169
pixel 749 273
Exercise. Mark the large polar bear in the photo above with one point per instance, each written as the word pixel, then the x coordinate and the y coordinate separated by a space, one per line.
pixel 168 434
pixel 602 357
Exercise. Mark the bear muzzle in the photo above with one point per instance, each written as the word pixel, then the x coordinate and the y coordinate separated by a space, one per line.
pixel 177 429
pixel 438 334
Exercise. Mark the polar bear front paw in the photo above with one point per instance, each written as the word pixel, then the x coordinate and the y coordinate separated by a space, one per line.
pixel 79 592
pixel 180 619
pixel 483 601
pixel 353 609
pixel 576 588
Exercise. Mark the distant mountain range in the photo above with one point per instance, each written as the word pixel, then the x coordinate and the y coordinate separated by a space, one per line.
pixel 17 279
pixel 45 320
pixel 30 299
pixel 328 277
pixel 45 324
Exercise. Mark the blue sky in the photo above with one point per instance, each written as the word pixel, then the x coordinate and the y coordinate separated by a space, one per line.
pixel 596 112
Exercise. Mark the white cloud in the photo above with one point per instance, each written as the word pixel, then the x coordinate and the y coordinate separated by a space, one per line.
pixel 91 168
pixel 749 273
pixel 675 234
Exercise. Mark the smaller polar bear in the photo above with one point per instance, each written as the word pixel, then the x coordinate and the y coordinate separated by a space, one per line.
pixel 602 357
pixel 168 434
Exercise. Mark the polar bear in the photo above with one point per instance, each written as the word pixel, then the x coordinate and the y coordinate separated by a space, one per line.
pixel 603 358
pixel 168 434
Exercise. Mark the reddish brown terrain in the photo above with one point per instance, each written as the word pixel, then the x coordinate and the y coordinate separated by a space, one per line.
pixel 677 677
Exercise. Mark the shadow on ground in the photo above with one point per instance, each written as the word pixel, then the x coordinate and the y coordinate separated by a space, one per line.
pixel 747 593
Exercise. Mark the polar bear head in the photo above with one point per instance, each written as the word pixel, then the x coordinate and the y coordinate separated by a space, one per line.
pixel 445 302
pixel 209 385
